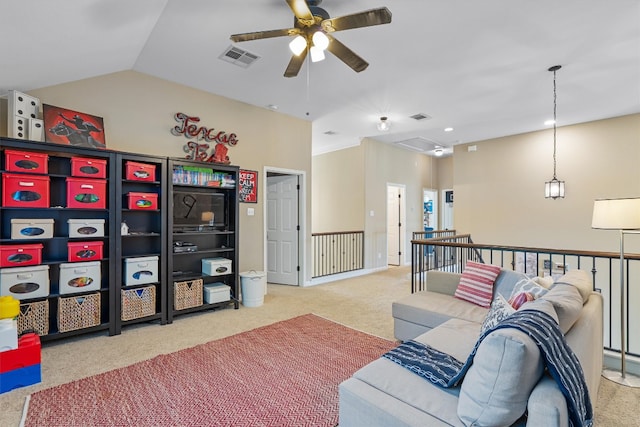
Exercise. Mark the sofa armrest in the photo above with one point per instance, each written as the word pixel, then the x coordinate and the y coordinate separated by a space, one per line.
pixel 546 405
pixel 442 282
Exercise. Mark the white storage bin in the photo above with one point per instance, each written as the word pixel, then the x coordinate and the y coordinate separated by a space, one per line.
pixel 216 266
pixel 86 228
pixel 138 271
pixel 79 277
pixel 25 282
pixel 22 228
pixel 216 292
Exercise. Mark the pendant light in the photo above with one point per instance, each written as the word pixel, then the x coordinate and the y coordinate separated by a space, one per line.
pixel 554 189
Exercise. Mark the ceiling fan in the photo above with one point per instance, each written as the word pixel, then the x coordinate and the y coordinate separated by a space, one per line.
pixel 312 28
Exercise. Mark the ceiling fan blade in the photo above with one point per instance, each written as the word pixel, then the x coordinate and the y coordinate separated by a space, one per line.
pixel 265 34
pixel 302 12
pixel 346 55
pixel 357 20
pixel 295 64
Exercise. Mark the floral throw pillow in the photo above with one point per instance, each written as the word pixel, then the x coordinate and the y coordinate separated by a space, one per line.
pixel 476 283
pixel 500 310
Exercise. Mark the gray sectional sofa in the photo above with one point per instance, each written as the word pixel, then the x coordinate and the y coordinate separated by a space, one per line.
pixel 506 385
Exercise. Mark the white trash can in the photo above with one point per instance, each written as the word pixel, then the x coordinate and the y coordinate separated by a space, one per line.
pixel 254 284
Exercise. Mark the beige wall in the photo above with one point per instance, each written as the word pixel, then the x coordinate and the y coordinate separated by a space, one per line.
pixel 499 189
pixel 338 192
pixel 350 184
pixel 138 113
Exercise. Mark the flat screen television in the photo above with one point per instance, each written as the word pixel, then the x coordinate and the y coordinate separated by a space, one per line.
pixel 193 210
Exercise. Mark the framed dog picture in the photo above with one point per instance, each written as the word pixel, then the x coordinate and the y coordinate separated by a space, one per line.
pixel 70 127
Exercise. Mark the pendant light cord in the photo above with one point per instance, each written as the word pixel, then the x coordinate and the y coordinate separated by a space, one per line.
pixel 554 123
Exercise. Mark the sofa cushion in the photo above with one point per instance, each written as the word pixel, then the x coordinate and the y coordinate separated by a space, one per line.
pixel 545 282
pixel 541 305
pixel 413 390
pixel 496 388
pixel 581 280
pixel 431 309
pixel 476 283
pixel 500 309
pixel 506 281
pixel 567 302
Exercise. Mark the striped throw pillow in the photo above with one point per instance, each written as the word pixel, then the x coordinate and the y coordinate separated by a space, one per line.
pixel 476 283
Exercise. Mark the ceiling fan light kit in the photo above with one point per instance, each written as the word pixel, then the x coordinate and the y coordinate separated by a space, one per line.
pixel 317 54
pixel 312 28
pixel 320 40
pixel 298 45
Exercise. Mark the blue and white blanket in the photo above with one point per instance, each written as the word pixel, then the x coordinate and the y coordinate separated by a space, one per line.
pixel 445 371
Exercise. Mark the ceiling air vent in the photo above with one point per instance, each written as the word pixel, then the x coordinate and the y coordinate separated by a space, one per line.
pixel 420 116
pixel 238 57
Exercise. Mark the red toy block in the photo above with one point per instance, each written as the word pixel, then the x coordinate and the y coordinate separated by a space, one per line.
pixel 27 354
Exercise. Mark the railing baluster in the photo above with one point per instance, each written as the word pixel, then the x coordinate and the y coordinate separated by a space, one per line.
pixel 448 246
pixel 338 252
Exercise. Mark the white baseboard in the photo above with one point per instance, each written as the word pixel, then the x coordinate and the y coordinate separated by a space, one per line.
pixel 340 276
pixel 612 361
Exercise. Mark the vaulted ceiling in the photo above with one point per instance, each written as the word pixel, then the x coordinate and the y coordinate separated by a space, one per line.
pixel 479 67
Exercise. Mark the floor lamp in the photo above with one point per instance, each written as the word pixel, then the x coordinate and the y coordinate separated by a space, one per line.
pixel 622 215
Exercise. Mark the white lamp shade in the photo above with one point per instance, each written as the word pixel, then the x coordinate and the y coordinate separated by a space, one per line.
pixel 616 214
pixel 298 45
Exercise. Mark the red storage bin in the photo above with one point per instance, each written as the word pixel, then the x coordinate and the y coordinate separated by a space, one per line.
pixel 89 168
pixel 84 251
pixel 20 255
pixel 140 171
pixel 24 161
pixel 25 191
pixel 86 193
pixel 145 201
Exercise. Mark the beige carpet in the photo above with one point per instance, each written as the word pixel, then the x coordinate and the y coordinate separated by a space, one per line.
pixel 363 303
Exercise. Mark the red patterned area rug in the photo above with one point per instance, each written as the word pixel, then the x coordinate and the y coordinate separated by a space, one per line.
pixel 284 374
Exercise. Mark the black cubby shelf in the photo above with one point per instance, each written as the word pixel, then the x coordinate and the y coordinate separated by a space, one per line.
pixel 147 228
pixel 203 214
pixel 55 249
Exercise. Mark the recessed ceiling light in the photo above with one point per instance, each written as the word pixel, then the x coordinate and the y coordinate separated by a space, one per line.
pixel 272 107
pixel 448 129
pixel 549 122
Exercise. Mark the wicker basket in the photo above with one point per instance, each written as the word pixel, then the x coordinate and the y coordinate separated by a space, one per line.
pixel 138 302
pixel 187 294
pixel 78 312
pixel 34 316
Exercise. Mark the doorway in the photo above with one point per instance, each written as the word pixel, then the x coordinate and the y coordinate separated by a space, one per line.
pixel 395 223
pixel 429 209
pixel 447 209
pixel 283 240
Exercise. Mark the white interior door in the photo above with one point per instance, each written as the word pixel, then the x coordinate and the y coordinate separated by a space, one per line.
pixel 395 224
pixel 282 229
